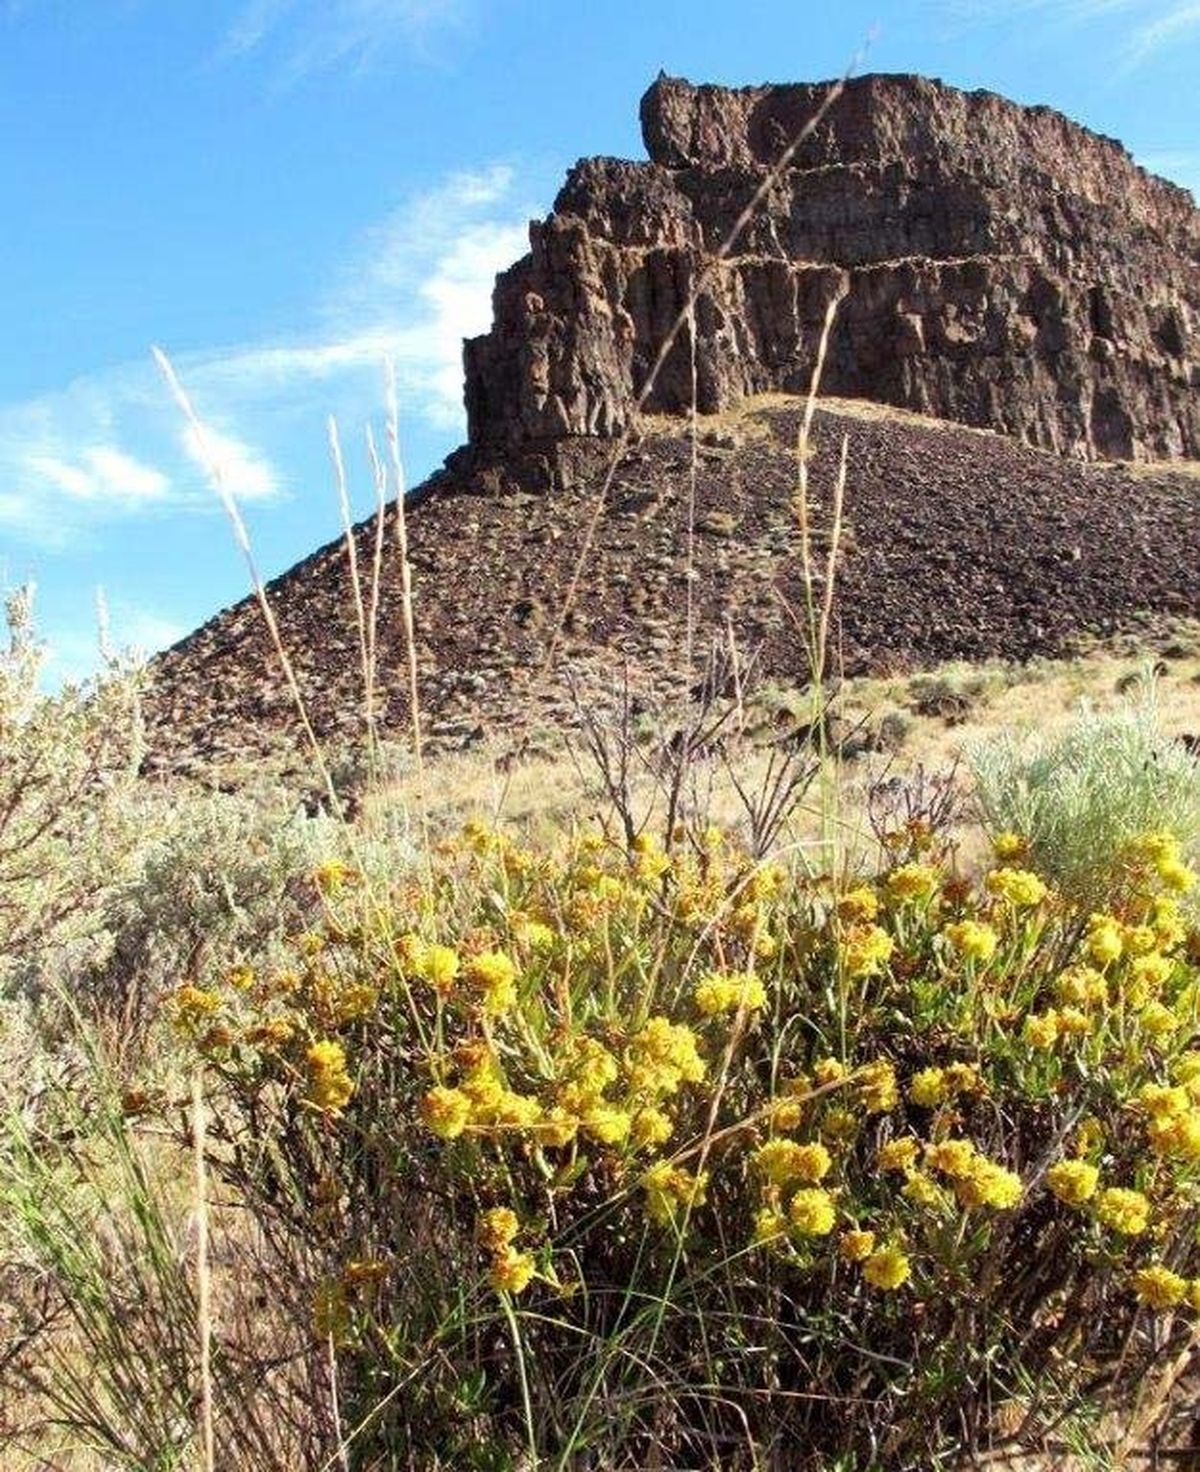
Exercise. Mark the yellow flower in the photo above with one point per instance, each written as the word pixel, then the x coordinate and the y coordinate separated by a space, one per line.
pixel 856 1246
pixel 785 1114
pixel 912 882
pixel 811 1212
pixel 1178 1135
pixel 929 1088
pixel 497 1228
pixel 446 1112
pixel 887 1269
pixel 1105 942
pixel 650 1127
pixel 650 862
pixel 973 939
pixel 514 1111
pixel 730 992
pixel 1158 1287
pixel 511 1271
pixel 1073 1181
pixel 877 1091
pixel 329 1085
pixel 665 1054
pixel 495 975
pixel 1042 1031
pixel 1008 846
pixel 1186 1072
pixel 439 966
pixel 608 1126
pixel 964 1078
pixel 953 1158
pixel 865 950
pixel 989 1184
pixel 1162 1101
pixel 1193 1294
pixel 769 1225
pixel 1127 1212
pixel 781 1161
pixel 332 875
pixel 591 1067
pixel 898 1155
pixel 858 906
pixel 1081 986
pixel 1176 875
pixel 669 1189
pixel 194 1005
pixel 921 1191
pixel 1072 1023
pixel 1157 1021
pixel 1020 887
pixel 533 935
pixel 1151 972
pixel 828 1071
pixel 356 1001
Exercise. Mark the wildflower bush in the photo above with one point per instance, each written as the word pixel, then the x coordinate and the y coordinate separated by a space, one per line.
pixel 600 1154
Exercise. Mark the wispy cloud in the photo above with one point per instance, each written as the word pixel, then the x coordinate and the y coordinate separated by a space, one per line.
pixel 1147 27
pixel 314 35
pixel 412 287
pixel 1177 22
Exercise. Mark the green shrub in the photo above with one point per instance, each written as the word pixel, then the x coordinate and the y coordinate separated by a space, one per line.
pixel 1077 799
pixel 68 825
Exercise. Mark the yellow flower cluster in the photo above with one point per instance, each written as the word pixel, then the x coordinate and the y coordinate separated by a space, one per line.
pixel 973 939
pixel 511 1270
pixel 931 1087
pixel 671 1192
pixel 330 1087
pixel 780 1162
pixel 730 992
pixel 977 1181
pixel 865 950
pixel 912 882
pixel 1019 887
pixel 1172 1119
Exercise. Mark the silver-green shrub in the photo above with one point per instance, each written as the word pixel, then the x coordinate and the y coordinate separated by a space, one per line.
pixel 68 769
pixel 1078 798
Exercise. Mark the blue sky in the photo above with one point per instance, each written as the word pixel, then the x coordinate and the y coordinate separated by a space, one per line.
pixel 282 192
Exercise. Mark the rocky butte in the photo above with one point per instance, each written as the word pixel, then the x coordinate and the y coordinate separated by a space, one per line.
pixel 995 268
pixel 995 264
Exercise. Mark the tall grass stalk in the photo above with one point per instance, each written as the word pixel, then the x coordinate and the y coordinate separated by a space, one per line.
pixel 203 1278
pixel 360 612
pixel 216 474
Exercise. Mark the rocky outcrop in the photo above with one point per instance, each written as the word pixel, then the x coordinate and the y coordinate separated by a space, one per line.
pixel 994 264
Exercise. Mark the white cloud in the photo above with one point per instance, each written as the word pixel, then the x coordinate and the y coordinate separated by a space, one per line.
pixel 245 474
pixel 314 35
pixel 102 474
pixel 1151 25
pixel 412 287
pixel 1177 22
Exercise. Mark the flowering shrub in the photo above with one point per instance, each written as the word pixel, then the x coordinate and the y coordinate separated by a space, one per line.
pixel 603 1149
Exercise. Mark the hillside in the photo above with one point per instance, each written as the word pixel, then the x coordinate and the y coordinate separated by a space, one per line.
pixel 990 266
pixel 957 544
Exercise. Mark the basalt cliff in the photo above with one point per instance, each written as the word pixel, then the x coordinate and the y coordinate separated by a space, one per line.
pixel 1017 318
pixel 995 265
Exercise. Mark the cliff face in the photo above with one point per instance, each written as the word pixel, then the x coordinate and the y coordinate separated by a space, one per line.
pixel 995 265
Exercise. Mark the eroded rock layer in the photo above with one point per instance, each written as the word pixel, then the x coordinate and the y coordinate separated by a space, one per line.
pixel 995 264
